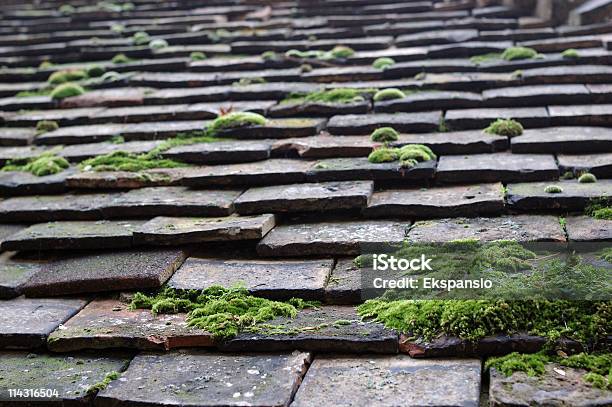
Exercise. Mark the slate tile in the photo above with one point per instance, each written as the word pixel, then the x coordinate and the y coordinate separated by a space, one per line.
pixel 563 140
pixel 568 74
pixel 435 37
pixel 503 167
pixel 574 195
pixel 221 152
pixel 70 375
pixel 14 273
pixel 52 207
pixel 430 100
pixel 344 284
pixel 563 43
pixel 536 95
pixel 137 114
pixel 582 115
pixel 172 231
pixel 81 152
pixel 402 122
pixel 274 279
pixel 277 128
pixel 20 153
pixel 551 387
pixel 7 229
pixel 457 142
pixel 324 146
pixel 109 323
pixel 73 235
pixel 318 197
pixel 463 119
pixel 366 380
pixel 467 48
pixel 62 116
pixel 104 271
pixel 323 329
pixel 598 164
pixel 16 136
pixel 348 169
pixel 600 93
pixel 105 98
pixel 25 323
pixel 207 379
pixel 318 109
pixel 100 180
pixel 14 183
pixel 470 200
pixel 329 238
pixel 343 74
pixel 587 229
pixel 522 228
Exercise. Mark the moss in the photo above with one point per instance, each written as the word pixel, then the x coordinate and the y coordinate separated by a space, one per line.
pixel 532 364
pixel 269 56
pixel 94 71
pixel 384 134
pixel 235 120
pixel 567 175
pixel 30 93
pixel 224 312
pixel 388 94
pixel 505 127
pixel 117 140
pixel 117 28
pixel 599 208
pixel 603 213
pixel 518 74
pixel 45 126
pixel 124 161
pixel 45 164
pixel 45 65
pixel 305 68
pixel 442 126
pixel 67 75
pixel 158 43
pixel 479 59
pixel 553 189
pixel 418 152
pixel 587 178
pixel 341 51
pixel 570 53
pixel 337 96
pixel 383 155
pixel 66 9
pixel 141 38
pixel 120 59
pixel 338 52
pixel 420 76
pixel 517 53
pixel 66 90
pixel 249 81
pixel 606 254
pixel 103 384
pixel 383 63
pixel 598 381
pixel 197 56
pixel 110 76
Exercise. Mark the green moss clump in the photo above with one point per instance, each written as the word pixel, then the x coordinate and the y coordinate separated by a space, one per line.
pixel 44 164
pixel 197 56
pixel 517 53
pixel 532 364
pixel 66 90
pixel 141 38
pixel 249 81
pixel 383 63
pixel 235 120
pixel 120 59
pixel 479 59
pixel 384 135
pixel 505 127
pixel 158 43
pixel 337 96
pixel 67 75
pixel 117 28
pixel 305 68
pixel 95 71
pixel 30 93
pixel 383 155
pixel 341 51
pixel 553 189
pixel 388 94
pixel 66 9
pixel 103 384
pixel 599 208
pixel 606 254
pixel 45 65
pixel 570 53
pixel 269 56
pixel 587 178
pixel 224 312
pixel 338 52
pixel 45 126
pixel 518 74
pixel 603 213
pixel 418 152
pixel 124 161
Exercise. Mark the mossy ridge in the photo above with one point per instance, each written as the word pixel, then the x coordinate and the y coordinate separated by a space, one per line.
pixel 45 164
pixel 600 208
pixel 333 96
pixel 388 94
pixel 67 75
pixel 597 366
pixel 383 63
pixel 224 312
pixel 338 52
pixel 124 161
pixel 553 189
pixel 509 54
pixel 101 385
pixel 408 155
pixel 234 120
pixel 505 127
pixel 197 56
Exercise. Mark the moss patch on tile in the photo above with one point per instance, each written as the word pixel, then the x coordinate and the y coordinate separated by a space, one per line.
pixel 388 94
pixel 45 164
pixel 505 127
pixel 66 90
pixel 124 161
pixel 333 96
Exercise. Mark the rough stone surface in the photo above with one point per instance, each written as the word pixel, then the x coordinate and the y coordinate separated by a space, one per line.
pixel 207 379
pixel 14 273
pixel 587 229
pixel 522 228
pixel 585 115
pixel 599 165
pixel 103 271
pixel 221 152
pixel 347 169
pixel 171 231
pixel 344 284
pixel 333 238
pixel 574 195
pixel 108 323
pixel 279 280
pixel 567 389
pixel 52 207
pixel 471 200
pixel 563 140
pixel 323 329
pixel 320 197
pixel 24 183
pixel 390 381
pixel 16 136
pixel 26 322
pixel 365 124
pixel 457 142
pixel 481 118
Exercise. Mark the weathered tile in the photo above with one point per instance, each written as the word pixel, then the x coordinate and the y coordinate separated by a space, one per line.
pixel 80 152
pixel 318 109
pixel 435 37
pixel 365 124
pixel 325 146
pixel 14 273
pixel 7 229
pixel 348 169
pixel 522 228
pixel 587 229
pixel 172 231
pixel 470 200
pixel 71 376
pixel 277 128
pixel 43 208
pixel 20 153
pixel 81 134
pixel 568 388
pixel 457 142
pixel 207 379
pixel 221 152
pixel 16 136
pixel 563 140
pixel 598 164
pixel 536 95
pixel 104 271
pixel 581 115
pixel 64 117
pixel 480 118
pixel 367 380
pixel 106 98
pixel 430 100
pixel 26 322
pixel 100 180
pixel 344 284
pixel 109 323
pixel 318 197
pixel 323 329
pixel 73 235
pixel 568 74
pixel 331 238
pixel 274 279
pixel 574 195
pixel 503 167
pixel 14 183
